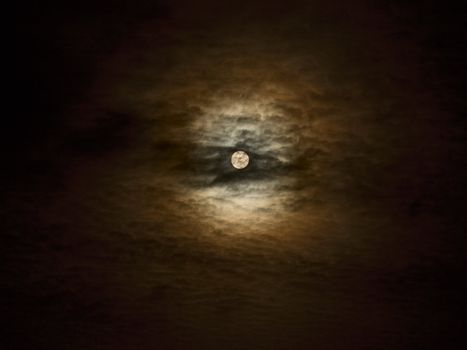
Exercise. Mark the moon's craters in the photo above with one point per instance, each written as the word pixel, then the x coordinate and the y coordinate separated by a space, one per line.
pixel 240 159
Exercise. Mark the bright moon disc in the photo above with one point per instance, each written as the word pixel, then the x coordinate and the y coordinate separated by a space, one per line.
pixel 240 160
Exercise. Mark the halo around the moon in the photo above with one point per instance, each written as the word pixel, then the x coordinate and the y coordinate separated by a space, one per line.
pixel 240 160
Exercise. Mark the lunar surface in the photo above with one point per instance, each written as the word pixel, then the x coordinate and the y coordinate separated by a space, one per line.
pixel 240 160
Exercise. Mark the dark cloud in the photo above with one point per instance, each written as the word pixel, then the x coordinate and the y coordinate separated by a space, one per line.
pixel 110 131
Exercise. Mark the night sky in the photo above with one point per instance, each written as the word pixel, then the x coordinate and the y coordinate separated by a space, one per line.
pixel 125 226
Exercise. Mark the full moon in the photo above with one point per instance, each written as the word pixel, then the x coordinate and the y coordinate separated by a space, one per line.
pixel 240 160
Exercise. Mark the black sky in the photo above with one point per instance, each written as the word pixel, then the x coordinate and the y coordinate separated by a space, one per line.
pixel 125 227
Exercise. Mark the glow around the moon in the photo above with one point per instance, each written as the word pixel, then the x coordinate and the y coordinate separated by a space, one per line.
pixel 240 160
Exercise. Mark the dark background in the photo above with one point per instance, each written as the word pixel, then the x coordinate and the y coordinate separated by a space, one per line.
pixel 57 54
